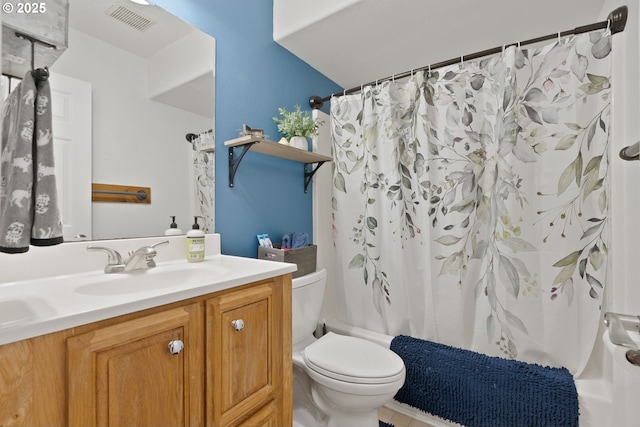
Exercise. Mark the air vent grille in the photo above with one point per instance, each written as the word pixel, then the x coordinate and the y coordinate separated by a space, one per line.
pixel 130 17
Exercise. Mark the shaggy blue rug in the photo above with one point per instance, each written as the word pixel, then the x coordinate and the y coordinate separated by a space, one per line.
pixel 477 390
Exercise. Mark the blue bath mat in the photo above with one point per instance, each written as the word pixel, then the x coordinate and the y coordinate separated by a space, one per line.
pixel 383 424
pixel 477 390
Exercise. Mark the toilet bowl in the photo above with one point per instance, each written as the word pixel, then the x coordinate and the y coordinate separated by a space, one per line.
pixel 346 379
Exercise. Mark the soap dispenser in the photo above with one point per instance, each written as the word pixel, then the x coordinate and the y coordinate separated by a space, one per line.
pixel 195 242
pixel 173 229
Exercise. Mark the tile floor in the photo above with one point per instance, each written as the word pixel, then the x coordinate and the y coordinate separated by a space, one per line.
pixel 399 420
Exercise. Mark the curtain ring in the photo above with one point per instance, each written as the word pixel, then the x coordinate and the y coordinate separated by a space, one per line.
pixel 344 93
pixel 412 72
pixel 429 73
pixel 461 60
pixel 607 32
pixel 559 35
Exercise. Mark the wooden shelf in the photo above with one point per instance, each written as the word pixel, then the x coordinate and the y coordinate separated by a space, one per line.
pixel 270 148
pixel 274 149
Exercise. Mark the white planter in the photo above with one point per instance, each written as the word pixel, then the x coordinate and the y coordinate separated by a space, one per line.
pixel 299 142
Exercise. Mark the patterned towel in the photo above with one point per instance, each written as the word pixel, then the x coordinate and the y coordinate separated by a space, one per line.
pixel 29 211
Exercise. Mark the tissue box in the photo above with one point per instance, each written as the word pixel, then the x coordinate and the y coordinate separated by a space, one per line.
pixel 304 258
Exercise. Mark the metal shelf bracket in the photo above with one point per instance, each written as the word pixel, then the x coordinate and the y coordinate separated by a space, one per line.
pixel 309 171
pixel 235 162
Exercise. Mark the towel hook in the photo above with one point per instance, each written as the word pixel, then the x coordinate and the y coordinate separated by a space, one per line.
pixel 40 74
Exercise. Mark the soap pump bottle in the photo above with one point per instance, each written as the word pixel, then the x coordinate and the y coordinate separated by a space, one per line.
pixel 195 242
pixel 173 229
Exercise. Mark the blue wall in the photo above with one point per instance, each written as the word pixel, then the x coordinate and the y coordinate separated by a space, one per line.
pixel 254 76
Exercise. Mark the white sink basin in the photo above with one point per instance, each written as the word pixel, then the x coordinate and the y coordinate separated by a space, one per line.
pixel 164 276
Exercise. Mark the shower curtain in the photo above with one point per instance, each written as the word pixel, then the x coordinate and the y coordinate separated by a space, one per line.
pixel 203 158
pixel 470 203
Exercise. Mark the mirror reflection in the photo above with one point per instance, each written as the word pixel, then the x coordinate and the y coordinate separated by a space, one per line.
pixel 134 81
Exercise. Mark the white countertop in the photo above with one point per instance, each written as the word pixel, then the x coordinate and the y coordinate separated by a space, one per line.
pixel 42 303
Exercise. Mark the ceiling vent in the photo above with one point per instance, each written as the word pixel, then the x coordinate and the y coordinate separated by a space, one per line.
pixel 130 17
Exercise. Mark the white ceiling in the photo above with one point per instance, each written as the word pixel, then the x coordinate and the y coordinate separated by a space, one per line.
pixel 358 41
pixel 89 17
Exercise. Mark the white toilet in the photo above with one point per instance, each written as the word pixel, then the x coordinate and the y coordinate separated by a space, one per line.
pixel 339 381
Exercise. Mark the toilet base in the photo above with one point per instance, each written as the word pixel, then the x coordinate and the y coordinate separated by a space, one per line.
pixel 305 411
pixel 344 416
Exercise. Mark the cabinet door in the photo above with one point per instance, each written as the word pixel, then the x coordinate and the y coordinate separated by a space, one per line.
pixel 240 353
pixel 264 417
pixel 126 375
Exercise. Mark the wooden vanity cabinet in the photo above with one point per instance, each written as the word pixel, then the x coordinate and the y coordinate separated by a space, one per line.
pixel 121 372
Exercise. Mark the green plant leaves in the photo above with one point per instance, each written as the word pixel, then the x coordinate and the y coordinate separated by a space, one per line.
pixel 297 123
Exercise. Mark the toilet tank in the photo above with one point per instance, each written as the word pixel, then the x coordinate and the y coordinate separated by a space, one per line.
pixel 306 301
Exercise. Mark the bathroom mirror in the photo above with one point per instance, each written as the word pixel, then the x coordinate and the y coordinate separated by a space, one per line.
pixel 150 77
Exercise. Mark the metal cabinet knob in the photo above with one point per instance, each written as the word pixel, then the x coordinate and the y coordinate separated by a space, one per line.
pixel 238 324
pixel 175 347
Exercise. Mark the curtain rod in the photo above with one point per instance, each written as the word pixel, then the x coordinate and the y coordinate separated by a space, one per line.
pixel 616 22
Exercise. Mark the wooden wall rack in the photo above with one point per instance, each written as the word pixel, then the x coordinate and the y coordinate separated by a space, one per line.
pixel 120 193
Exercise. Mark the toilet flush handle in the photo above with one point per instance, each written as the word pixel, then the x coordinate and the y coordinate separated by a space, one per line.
pixel 238 324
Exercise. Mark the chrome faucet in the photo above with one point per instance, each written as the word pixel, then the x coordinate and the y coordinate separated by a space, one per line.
pixel 114 260
pixel 142 258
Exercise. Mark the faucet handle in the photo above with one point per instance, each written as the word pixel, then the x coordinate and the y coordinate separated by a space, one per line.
pixel 114 256
pixel 149 250
pixel 114 263
pixel 159 243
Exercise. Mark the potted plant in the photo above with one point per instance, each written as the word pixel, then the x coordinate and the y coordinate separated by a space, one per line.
pixel 296 126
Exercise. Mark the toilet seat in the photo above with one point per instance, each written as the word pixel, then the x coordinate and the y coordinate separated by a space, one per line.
pixel 353 360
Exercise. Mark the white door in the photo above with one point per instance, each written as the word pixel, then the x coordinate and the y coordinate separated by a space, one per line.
pixel 71 110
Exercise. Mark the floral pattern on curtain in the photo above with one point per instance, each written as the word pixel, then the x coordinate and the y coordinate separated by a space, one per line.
pixel 470 203
pixel 204 179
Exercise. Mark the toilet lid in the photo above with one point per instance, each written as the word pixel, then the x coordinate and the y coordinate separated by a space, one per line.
pixel 353 360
